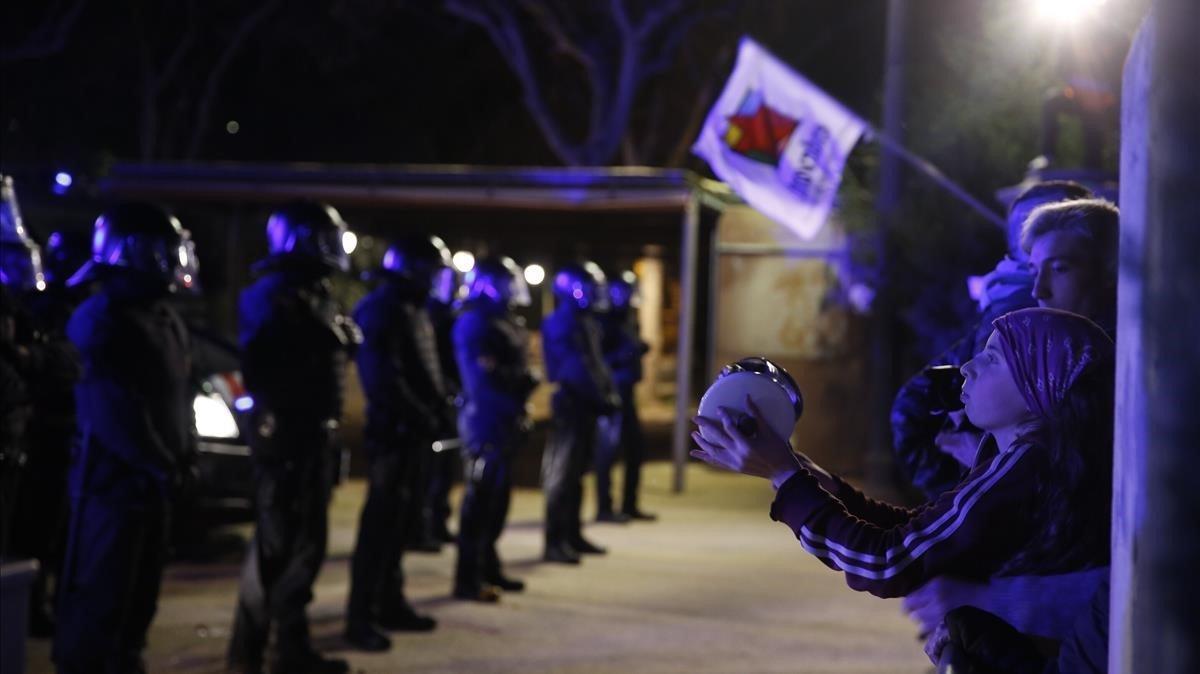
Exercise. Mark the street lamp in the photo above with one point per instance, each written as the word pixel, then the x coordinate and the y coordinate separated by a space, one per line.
pixel 1064 12
pixel 535 274
pixel 463 261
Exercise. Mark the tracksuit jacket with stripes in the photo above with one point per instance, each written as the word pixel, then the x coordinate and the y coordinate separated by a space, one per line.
pixel 969 532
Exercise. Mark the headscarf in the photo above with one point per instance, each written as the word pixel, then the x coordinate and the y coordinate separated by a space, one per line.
pixel 1047 350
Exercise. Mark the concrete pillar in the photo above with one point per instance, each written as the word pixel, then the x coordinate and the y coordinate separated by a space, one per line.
pixel 649 270
pixel 689 259
pixel 1156 501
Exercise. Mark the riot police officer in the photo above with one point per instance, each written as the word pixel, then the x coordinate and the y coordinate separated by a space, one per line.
pixel 490 345
pixel 406 409
pixel 621 431
pixel 135 438
pixel 571 343
pixel 295 345
pixel 445 463
pixel 47 360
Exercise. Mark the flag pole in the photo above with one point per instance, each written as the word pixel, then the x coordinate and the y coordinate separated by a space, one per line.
pixel 935 174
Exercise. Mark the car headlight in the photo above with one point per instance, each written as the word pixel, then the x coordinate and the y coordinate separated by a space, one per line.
pixel 213 418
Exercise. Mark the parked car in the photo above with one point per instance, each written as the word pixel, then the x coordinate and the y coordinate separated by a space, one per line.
pixel 224 489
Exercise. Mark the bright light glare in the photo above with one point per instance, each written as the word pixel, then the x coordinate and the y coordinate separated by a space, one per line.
pixel 349 241
pixel 535 274
pixel 213 418
pixel 244 404
pixel 1064 12
pixel 463 261
pixel 63 179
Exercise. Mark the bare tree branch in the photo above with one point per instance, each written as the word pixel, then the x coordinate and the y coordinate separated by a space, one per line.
pixel 47 39
pixel 501 26
pixel 181 49
pixel 216 75
pixel 668 46
pixel 616 59
pixel 653 17
pixel 699 110
pixel 621 18
pixel 554 28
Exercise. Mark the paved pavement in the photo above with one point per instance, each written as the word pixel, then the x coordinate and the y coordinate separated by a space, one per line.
pixel 713 586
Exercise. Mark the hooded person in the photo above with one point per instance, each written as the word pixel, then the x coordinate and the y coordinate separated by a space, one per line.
pixel 1042 389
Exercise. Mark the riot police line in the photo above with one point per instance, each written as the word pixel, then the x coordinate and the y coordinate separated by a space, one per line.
pixel 94 349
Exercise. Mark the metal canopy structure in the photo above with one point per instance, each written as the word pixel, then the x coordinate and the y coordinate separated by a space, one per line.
pixel 617 189
pixel 633 190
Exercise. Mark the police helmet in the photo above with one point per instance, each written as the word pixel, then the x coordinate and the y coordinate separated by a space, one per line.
pixel 309 231
pixel 623 291
pixel 498 280
pixel 423 259
pixel 582 285
pixel 144 239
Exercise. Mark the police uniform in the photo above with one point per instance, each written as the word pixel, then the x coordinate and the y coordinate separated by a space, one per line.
pixel 490 345
pixel 445 464
pixel 402 379
pixel 571 344
pixel 135 441
pixel 621 432
pixel 295 345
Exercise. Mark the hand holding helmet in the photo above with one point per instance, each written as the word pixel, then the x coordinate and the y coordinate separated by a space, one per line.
pixel 724 443
pixel 745 419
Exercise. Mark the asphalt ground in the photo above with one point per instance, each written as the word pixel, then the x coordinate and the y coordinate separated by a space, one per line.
pixel 712 586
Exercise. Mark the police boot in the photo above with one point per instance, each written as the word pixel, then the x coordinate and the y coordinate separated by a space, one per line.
pixel 492 573
pixel 611 517
pixel 560 552
pixel 505 583
pixel 364 637
pixel 586 547
pixel 399 616
pixel 484 593
pixel 308 662
pixel 641 515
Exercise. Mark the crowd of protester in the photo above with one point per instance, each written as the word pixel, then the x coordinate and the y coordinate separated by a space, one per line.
pixel 1005 567
pixel 99 439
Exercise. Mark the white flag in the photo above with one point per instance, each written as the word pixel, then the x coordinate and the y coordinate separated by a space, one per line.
pixel 778 140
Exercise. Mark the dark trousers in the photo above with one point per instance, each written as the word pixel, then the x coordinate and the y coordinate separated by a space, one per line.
pixel 488 480
pixel 285 555
pixel 437 497
pixel 394 492
pixel 40 516
pixel 109 588
pixel 619 435
pixel 567 457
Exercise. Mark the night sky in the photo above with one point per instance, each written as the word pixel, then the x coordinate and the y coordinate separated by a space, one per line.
pixel 373 81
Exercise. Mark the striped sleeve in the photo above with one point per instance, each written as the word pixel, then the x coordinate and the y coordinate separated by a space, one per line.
pixel 876 512
pixel 968 532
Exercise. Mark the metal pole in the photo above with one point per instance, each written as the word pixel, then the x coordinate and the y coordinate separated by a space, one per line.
pixel 687 320
pixel 878 458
